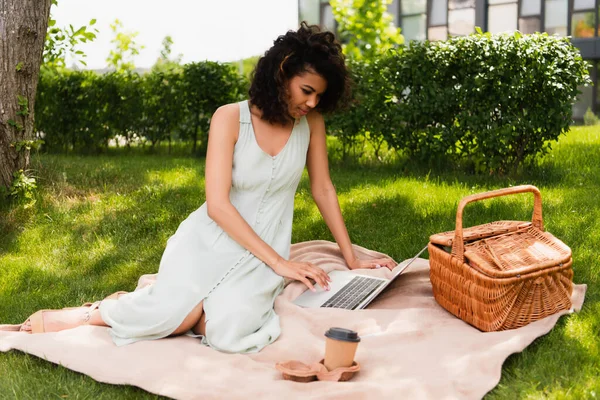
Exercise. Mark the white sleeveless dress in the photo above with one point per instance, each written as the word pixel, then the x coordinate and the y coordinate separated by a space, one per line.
pixel 201 262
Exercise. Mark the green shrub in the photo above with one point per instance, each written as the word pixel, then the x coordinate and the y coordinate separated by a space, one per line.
pixel 205 87
pixel 348 125
pixel 589 118
pixel 66 110
pixel 162 105
pixel 495 101
pixel 122 111
pixel 492 102
pixel 368 115
pixel 82 111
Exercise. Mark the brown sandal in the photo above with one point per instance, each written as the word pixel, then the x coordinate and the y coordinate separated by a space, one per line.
pixel 37 319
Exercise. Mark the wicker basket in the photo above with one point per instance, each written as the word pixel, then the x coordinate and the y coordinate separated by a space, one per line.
pixel 504 274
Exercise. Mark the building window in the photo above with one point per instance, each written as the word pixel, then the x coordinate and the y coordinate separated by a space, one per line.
pixel 531 8
pixel 589 96
pixel 583 19
pixel 556 17
pixel 461 17
pixel 594 75
pixel 451 18
pixel 529 25
pixel 502 15
pixel 530 18
pixel 327 18
pixel 584 101
pixel 438 20
pixel 394 10
pixel 413 19
pixel 308 10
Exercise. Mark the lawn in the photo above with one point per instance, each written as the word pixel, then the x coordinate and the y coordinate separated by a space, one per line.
pixel 100 222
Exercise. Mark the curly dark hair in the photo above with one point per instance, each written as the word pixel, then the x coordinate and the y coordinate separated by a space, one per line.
pixel 296 52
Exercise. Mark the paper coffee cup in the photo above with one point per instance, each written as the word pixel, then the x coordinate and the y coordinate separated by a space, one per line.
pixel 340 348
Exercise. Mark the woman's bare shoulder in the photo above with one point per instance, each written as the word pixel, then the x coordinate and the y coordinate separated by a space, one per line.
pixel 226 121
pixel 315 120
pixel 314 116
pixel 228 112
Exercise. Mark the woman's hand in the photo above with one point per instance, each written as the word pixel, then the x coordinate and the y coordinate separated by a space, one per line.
pixel 302 271
pixel 372 264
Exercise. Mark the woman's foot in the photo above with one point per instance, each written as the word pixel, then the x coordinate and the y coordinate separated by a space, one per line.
pixel 56 320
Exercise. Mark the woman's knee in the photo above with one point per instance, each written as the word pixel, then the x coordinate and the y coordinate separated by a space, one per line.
pixel 191 320
pixel 200 327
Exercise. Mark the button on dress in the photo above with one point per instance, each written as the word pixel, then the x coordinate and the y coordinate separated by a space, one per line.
pixel 201 262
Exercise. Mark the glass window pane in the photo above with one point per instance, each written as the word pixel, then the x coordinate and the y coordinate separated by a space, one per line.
pixel 328 21
pixel 531 7
pixel 413 6
pixel 438 33
pixel 530 25
pixel 595 80
pixel 439 12
pixel 556 16
pixel 584 101
pixel 583 4
pixel 461 22
pixel 457 4
pixel 394 10
pixel 582 24
pixel 502 18
pixel 309 11
pixel 413 27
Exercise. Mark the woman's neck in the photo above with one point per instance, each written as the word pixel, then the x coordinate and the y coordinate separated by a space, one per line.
pixel 257 112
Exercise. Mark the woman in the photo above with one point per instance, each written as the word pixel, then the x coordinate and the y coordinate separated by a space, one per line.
pixel 223 268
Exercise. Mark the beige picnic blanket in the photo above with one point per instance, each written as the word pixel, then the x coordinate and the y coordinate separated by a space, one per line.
pixel 411 347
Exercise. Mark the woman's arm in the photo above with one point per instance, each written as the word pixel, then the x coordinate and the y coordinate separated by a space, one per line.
pixel 223 134
pixel 325 197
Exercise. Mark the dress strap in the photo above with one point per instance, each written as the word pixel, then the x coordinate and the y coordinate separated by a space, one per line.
pixel 244 112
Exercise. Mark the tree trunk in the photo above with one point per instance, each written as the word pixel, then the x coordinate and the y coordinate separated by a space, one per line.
pixel 23 26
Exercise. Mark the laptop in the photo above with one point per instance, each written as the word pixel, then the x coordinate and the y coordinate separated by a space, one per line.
pixel 350 290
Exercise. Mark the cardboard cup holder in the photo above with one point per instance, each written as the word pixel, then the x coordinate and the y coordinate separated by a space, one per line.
pixel 297 371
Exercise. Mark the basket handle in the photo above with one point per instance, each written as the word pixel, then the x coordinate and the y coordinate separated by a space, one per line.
pixel 458 246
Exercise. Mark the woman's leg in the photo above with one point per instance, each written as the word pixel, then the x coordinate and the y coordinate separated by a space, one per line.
pixel 195 321
pixel 191 320
pixel 67 319
pixel 200 327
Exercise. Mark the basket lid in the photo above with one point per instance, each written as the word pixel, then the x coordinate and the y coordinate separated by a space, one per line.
pixel 516 253
pixel 479 232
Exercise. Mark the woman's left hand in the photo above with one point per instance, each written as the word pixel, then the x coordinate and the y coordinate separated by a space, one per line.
pixel 372 264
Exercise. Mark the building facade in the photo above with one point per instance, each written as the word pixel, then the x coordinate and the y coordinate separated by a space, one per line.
pixel 438 19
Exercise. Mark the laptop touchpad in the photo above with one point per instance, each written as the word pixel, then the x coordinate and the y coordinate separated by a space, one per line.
pixel 314 299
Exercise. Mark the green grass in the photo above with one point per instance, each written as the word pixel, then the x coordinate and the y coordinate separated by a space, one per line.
pixel 100 222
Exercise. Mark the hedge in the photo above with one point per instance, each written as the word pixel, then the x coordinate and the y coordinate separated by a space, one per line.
pixel 82 111
pixel 490 102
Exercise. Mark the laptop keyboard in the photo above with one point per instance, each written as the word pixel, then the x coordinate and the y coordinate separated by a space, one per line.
pixel 353 293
